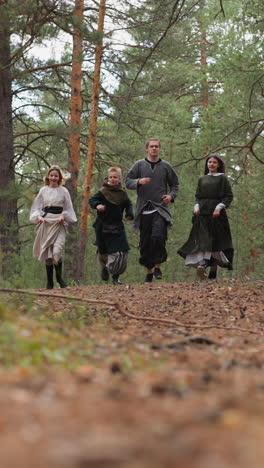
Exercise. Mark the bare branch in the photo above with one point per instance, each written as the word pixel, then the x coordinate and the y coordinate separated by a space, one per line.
pixel 221 10
pixel 44 67
pixel 32 132
pixel 123 311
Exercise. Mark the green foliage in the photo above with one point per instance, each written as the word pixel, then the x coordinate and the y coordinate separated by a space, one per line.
pixel 34 334
pixel 160 81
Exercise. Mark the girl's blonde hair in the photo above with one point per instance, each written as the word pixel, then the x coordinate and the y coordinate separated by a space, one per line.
pixel 115 169
pixel 54 168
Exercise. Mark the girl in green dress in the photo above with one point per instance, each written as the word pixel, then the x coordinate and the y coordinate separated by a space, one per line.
pixel 210 241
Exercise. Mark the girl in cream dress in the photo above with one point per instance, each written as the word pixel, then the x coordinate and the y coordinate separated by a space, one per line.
pixel 52 211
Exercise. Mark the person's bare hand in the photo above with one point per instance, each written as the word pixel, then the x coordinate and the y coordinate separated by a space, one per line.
pixel 167 199
pixel 129 218
pixel 61 219
pixel 216 213
pixel 100 207
pixel 196 211
pixel 145 180
pixel 41 219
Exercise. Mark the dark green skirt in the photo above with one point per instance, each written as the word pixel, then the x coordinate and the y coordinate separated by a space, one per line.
pixel 209 234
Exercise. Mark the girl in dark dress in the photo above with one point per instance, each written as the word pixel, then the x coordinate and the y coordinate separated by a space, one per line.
pixel 112 247
pixel 210 241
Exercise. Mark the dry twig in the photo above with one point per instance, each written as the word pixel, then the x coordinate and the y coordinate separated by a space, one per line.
pixel 124 312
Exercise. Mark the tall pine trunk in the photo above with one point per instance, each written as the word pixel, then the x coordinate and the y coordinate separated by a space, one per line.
pixel 8 195
pixel 76 101
pixel 204 69
pixel 91 144
pixel 204 85
pixel 75 132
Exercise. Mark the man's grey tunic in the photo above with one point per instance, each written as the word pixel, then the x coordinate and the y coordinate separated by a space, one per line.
pixel 164 181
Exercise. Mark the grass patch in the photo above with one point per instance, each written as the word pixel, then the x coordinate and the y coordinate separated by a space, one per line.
pixel 33 333
pixel 41 334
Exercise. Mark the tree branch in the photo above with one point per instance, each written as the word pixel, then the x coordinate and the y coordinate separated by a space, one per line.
pixel 221 10
pixel 44 67
pixel 123 311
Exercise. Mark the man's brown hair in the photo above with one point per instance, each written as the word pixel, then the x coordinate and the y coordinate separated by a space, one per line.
pixel 152 139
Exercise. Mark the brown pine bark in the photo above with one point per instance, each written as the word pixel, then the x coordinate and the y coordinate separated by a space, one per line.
pixel 91 144
pixel 75 131
pixel 204 80
pixel 205 94
pixel 248 243
pixel 76 101
pixel 8 196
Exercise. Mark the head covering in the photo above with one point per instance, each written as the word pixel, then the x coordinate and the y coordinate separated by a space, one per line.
pixel 114 194
pixel 217 156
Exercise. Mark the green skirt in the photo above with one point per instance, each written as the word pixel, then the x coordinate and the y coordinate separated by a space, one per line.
pixel 209 234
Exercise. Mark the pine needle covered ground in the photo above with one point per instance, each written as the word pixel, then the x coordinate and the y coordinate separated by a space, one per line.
pixel 136 376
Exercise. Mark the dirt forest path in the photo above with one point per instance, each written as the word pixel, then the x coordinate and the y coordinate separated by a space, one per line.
pixel 144 394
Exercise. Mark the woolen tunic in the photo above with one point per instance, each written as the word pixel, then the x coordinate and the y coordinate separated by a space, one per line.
pixel 210 234
pixel 109 227
pixel 164 181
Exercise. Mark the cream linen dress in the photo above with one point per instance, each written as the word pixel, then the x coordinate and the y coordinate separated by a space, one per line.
pixel 50 235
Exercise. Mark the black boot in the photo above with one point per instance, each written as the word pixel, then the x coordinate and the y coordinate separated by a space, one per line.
pixel 49 270
pixel 104 274
pixel 212 274
pixel 116 279
pixel 148 278
pixel 58 269
pixel 213 270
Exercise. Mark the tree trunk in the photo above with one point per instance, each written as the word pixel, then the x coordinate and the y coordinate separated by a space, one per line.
pixel 8 195
pixel 76 101
pixel 246 217
pixel 204 91
pixel 74 138
pixel 91 145
pixel 204 84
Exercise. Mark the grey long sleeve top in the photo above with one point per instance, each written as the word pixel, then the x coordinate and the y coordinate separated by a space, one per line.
pixel 164 181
